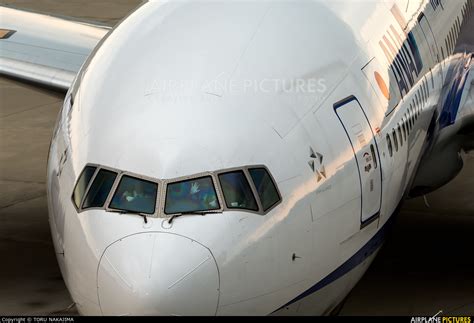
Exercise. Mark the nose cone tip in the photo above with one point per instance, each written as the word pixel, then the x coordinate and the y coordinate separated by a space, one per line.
pixel 157 274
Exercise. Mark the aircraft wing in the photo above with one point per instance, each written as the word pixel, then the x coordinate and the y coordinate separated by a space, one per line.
pixel 43 49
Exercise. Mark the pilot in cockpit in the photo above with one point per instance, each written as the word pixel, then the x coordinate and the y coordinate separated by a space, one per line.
pixel 134 191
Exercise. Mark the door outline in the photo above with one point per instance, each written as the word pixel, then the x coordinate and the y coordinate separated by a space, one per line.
pixel 338 105
pixel 435 55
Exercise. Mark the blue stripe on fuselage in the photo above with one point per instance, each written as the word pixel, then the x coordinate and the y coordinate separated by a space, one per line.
pixel 366 251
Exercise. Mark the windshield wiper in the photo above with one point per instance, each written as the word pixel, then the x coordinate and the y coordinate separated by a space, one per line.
pixel 187 213
pixel 131 212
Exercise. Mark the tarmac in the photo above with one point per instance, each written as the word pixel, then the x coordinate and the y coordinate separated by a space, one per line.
pixel 426 266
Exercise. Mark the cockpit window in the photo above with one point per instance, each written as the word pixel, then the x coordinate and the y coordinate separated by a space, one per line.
pixel 195 195
pixel 135 195
pixel 81 185
pixel 265 187
pixel 237 191
pixel 99 189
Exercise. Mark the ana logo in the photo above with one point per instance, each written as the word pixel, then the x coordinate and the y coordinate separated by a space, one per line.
pixel 316 164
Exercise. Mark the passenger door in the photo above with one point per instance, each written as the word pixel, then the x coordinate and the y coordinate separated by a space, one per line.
pixel 361 137
pixel 430 39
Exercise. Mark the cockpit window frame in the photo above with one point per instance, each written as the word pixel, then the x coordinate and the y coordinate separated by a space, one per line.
pixel 163 185
pixel 255 192
pixel 245 170
pixel 159 183
pixel 275 184
pixel 97 170
pixel 112 188
pixel 76 182
pixel 164 190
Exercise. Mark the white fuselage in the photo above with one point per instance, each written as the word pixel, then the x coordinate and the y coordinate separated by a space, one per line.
pixel 182 88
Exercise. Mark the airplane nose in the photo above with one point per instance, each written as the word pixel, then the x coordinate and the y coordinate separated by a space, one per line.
pixel 157 274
